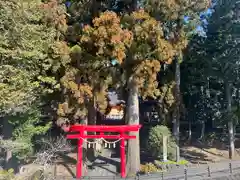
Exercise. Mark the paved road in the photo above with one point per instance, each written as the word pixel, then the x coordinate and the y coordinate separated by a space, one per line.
pixel 107 166
pixel 200 172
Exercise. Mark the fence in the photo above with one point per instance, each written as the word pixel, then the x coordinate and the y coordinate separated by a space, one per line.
pixel 217 171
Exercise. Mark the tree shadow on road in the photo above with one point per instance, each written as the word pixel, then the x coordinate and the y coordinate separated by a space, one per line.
pixel 67 161
pixel 107 162
pixel 195 157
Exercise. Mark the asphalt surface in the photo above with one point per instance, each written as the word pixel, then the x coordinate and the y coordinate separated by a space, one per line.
pixel 108 170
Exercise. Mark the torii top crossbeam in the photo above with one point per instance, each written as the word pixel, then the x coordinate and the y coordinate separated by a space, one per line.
pixel 94 128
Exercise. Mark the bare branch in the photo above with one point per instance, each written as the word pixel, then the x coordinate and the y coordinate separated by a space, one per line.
pixel 42 165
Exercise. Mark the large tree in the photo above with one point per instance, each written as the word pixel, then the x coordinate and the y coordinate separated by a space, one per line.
pixel 148 52
pixel 218 61
pixel 223 49
pixel 30 49
pixel 179 18
pixel 138 46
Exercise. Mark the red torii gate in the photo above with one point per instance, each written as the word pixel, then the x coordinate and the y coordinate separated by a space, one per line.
pixel 122 136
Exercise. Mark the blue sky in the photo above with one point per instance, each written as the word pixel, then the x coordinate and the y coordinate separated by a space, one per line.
pixel 203 17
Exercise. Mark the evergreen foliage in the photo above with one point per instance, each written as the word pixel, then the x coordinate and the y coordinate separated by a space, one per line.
pixel 214 59
pixel 30 51
pixel 155 142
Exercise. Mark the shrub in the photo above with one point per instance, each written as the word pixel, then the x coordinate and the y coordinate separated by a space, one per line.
pixel 149 168
pixel 155 142
pixel 6 174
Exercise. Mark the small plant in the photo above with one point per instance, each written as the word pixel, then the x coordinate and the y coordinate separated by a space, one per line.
pixel 167 164
pixel 182 162
pixel 149 168
pixel 7 174
pixel 155 142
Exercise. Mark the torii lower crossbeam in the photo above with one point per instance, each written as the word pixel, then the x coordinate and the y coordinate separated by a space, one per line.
pixel 122 136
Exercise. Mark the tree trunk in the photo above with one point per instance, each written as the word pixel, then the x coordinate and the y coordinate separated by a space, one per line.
pixel 176 113
pixel 84 149
pixel 189 129
pixel 7 134
pixel 133 149
pixel 92 112
pixel 92 119
pixel 230 121
pixel 96 8
pixel 133 6
pixel 202 129
pixel 189 114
